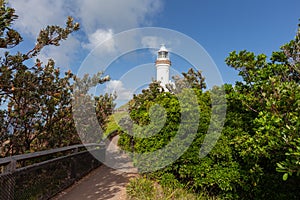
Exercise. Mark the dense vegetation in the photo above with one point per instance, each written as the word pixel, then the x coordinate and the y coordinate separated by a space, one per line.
pixel 258 154
pixel 37 100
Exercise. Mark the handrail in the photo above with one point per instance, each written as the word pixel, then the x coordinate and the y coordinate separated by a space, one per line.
pixel 27 156
pixel 41 175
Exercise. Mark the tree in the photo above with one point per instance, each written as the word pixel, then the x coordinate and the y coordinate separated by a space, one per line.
pixel 190 79
pixel 91 112
pixel 260 135
pixel 36 101
pixel 217 173
pixel 270 91
pixel 8 36
pixel 291 165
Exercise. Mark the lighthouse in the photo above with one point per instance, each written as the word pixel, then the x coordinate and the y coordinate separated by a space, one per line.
pixel 162 65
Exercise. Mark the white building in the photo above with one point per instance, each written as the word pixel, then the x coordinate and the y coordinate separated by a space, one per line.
pixel 163 64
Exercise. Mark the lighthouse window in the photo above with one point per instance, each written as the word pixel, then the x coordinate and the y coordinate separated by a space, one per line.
pixel 162 54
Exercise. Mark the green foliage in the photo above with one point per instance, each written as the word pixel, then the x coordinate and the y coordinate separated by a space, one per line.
pixel 260 134
pixel 217 173
pixel 269 94
pixel 292 163
pixel 271 90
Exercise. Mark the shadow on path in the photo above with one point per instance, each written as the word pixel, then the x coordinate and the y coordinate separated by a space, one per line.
pixel 103 183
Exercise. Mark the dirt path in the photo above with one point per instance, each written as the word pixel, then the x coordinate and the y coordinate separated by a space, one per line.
pixel 104 183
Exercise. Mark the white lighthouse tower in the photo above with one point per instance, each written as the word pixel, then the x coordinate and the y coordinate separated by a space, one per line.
pixel 163 64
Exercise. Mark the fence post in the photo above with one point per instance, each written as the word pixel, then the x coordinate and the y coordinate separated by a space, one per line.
pixel 9 187
pixel 73 165
pixel 11 167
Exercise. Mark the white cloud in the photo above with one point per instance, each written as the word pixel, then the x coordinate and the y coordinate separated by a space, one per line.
pixel 151 41
pixel 92 14
pixel 99 20
pixel 36 14
pixel 117 86
pixel 98 37
pixel 116 14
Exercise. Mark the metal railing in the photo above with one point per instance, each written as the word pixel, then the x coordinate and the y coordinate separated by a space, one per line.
pixel 43 174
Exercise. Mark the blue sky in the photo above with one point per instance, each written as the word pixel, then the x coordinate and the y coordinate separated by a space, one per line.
pixel 219 26
pixel 223 26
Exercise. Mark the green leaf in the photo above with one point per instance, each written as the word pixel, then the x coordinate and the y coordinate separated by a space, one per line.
pixel 285 176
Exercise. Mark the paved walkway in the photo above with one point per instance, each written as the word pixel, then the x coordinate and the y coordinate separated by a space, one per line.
pixel 105 182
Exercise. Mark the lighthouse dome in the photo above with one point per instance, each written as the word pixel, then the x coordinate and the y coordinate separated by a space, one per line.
pixel 163 48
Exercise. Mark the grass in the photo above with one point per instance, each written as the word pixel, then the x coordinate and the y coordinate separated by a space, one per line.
pixel 140 188
pixel 145 189
pixel 113 121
